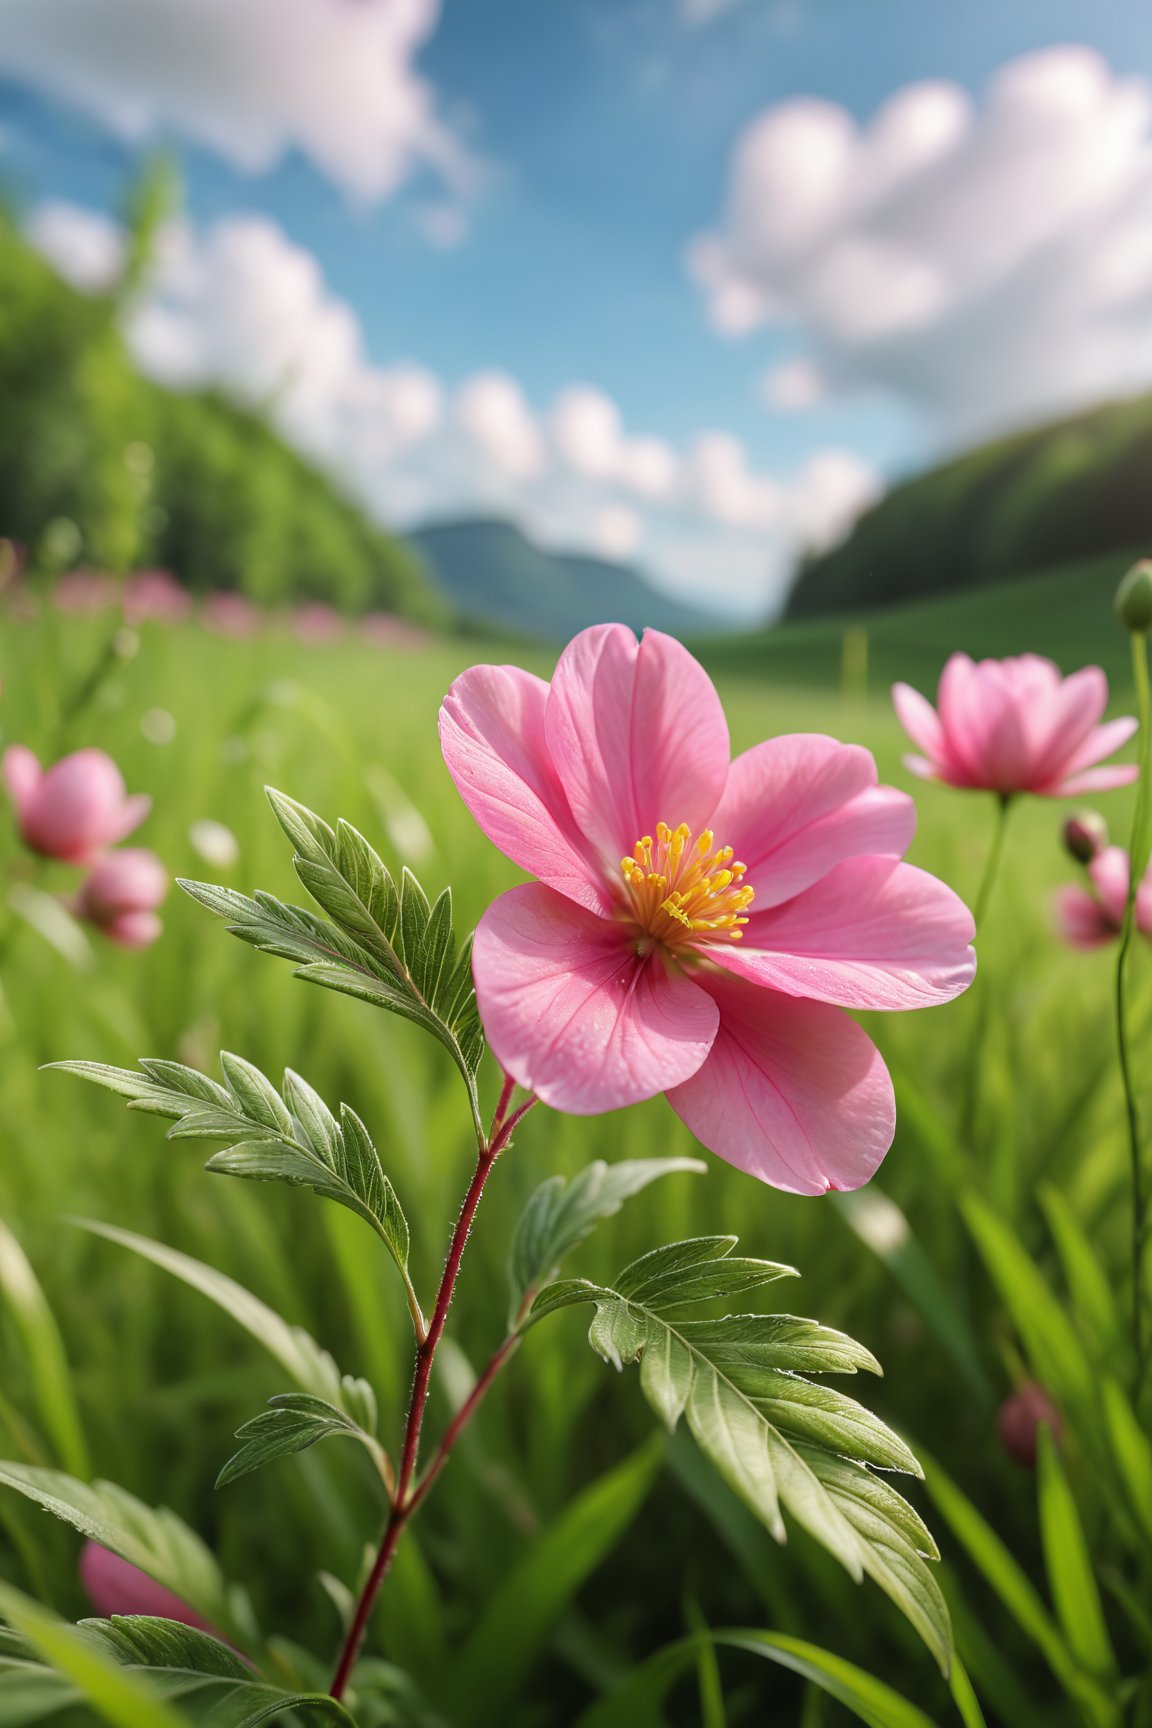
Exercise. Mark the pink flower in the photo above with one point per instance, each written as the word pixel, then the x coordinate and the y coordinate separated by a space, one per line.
pixel 230 615
pixel 1015 726
pixel 115 1586
pixel 317 623
pixel 158 595
pixel 1089 920
pixel 121 895
pixel 696 926
pixel 74 810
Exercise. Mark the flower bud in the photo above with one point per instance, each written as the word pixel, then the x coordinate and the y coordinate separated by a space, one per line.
pixel 1020 1419
pixel 1085 836
pixel 1134 598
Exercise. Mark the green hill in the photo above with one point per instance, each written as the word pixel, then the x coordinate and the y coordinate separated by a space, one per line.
pixel 1056 494
pixel 1065 613
pixel 493 576
pixel 100 466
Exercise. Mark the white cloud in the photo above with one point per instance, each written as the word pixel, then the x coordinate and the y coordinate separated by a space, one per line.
pixel 242 307
pixel 587 431
pixel 618 531
pixel 793 386
pixel 988 264
pixel 249 80
pixel 492 410
pixel 83 245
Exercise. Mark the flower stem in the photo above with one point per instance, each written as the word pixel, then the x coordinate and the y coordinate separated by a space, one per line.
pixel 1138 863
pixel 406 1499
pixel 992 868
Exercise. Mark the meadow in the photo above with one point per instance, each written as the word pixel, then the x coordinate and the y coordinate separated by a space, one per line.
pixel 565 1544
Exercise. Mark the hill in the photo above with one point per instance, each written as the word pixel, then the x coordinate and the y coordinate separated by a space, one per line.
pixel 1064 612
pixel 101 466
pixel 1068 491
pixel 493 576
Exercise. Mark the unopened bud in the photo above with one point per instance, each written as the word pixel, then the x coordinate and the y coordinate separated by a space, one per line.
pixel 1020 1419
pixel 1085 836
pixel 1134 598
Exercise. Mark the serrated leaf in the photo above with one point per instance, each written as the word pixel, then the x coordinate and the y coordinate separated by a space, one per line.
pixel 292 1138
pixel 782 1442
pixel 59 1666
pixel 161 1662
pixel 293 1422
pixel 561 1213
pixel 153 1538
pixel 291 1347
pixel 400 937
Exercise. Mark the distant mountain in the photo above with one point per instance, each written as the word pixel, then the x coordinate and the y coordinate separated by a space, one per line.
pixel 1072 490
pixel 493 575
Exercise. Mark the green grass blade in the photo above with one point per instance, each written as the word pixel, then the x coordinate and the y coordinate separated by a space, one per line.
pixel 1069 1566
pixel 44 1351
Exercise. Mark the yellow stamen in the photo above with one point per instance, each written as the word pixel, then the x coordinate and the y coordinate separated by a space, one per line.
pixel 683 892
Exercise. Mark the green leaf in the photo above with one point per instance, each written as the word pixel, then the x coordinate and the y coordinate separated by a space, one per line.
pixel 1092 1295
pixel 1069 1567
pixel 154 1539
pixel 292 1138
pixel 160 1661
pixel 293 1349
pixel 1132 1451
pixel 562 1212
pixel 635 1704
pixel 78 1670
pixel 781 1441
pixel 293 1422
pixel 391 944
pixel 487 1674
pixel 44 1353
pixel 1015 1590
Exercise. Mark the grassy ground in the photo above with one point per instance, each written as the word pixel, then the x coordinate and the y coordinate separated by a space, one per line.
pixel 163 1379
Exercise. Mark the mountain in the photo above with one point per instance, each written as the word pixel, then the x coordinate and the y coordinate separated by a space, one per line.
pixel 492 575
pixel 1073 490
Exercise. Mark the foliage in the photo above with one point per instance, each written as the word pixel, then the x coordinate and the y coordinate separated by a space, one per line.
pixel 148 476
pixel 1068 491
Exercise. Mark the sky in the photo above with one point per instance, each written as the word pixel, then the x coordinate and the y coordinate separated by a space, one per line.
pixel 684 282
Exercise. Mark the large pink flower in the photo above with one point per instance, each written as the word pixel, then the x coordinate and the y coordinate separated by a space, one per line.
pixel 697 925
pixel 1088 919
pixel 76 809
pixel 1015 726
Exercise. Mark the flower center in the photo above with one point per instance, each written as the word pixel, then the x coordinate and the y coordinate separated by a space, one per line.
pixel 684 890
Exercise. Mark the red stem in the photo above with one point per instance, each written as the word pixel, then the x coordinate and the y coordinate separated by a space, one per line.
pixel 405 1502
pixel 461 1420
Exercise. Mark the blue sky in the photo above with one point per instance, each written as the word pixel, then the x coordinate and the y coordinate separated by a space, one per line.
pixel 533 223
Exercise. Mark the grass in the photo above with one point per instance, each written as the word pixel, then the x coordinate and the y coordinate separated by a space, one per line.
pixel 161 1380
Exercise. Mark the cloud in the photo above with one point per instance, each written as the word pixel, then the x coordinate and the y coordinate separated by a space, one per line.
pixel 249 80
pixel 987 263
pixel 492 410
pixel 241 307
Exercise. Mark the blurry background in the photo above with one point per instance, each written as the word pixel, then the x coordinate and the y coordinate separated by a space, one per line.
pixel 345 342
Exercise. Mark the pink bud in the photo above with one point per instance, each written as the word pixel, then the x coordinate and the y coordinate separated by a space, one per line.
pixel 1085 836
pixel 121 894
pixel 75 809
pixel 1020 1419
pixel 115 1586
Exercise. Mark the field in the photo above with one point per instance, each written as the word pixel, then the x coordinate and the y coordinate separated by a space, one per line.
pixel 1004 1094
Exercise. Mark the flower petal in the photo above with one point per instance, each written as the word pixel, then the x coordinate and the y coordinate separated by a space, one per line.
pixel 492 737
pixel 638 736
pixel 1102 741
pixel 792 1092
pixel 22 774
pixel 1098 780
pixel 795 806
pixel 1061 724
pixel 574 1014
pixel 1080 918
pixel 873 933
pixel 1109 872
pixel 919 719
